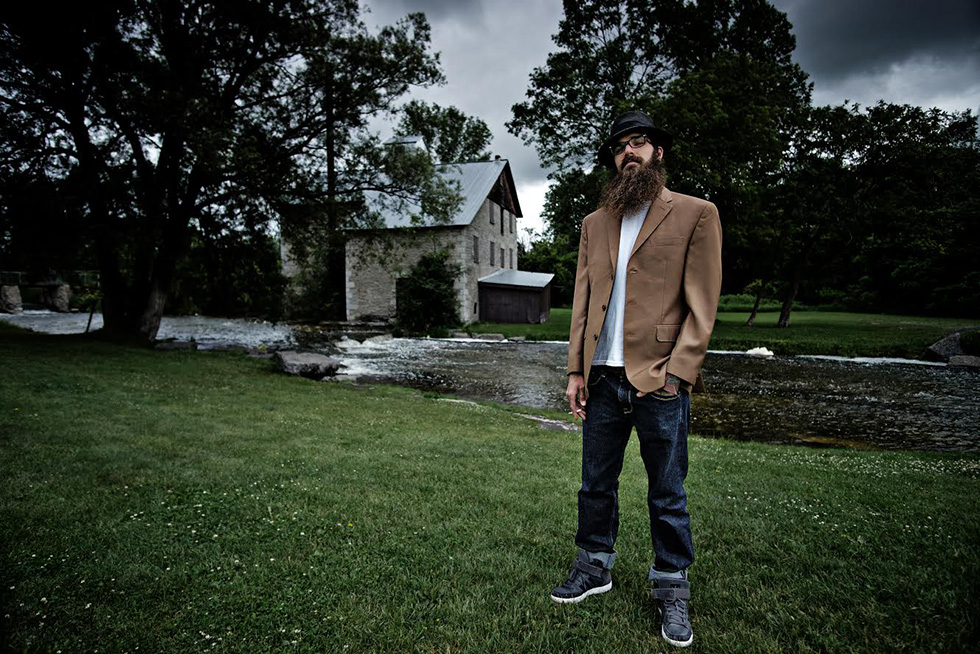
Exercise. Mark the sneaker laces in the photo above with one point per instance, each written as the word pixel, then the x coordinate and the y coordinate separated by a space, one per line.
pixel 675 612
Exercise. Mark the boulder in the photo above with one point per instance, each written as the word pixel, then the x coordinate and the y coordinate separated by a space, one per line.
pixel 307 364
pixel 964 361
pixel 57 297
pixel 948 347
pixel 10 300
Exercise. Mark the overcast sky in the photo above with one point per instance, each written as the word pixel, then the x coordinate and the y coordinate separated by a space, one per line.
pixel 900 51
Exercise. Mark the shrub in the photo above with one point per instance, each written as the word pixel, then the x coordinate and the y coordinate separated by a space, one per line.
pixel 426 296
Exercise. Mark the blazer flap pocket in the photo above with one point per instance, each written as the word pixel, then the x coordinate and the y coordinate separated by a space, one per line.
pixel 668 333
pixel 668 240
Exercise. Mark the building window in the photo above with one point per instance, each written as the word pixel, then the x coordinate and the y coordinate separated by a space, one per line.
pixel 503 219
pixel 510 256
pixel 502 264
pixel 476 249
pixel 491 213
pixel 493 252
pixel 512 221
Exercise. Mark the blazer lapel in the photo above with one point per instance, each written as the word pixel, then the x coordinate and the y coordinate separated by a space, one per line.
pixel 612 235
pixel 659 209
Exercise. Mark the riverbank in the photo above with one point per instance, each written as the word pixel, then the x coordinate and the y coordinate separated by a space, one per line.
pixel 178 501
pixel 810 332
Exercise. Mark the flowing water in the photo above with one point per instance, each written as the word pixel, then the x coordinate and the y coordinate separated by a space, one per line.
pixel 818 401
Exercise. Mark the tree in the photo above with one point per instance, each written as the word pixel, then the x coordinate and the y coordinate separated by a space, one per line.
pixel 427 299
pixel 918 172
pixel 448 132
pixel 604 64
pixel 572 196
pixel 718 74
pixel 162 115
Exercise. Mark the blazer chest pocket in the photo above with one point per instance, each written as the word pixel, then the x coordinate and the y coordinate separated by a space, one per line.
pixel 668 241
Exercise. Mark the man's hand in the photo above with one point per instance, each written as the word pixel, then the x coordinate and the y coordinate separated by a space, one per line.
pixel 577 394
pixel 671 388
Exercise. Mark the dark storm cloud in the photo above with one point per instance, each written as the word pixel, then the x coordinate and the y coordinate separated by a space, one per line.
pixel 837 39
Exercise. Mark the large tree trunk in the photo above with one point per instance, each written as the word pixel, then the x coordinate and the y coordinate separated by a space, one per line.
pixel 336 271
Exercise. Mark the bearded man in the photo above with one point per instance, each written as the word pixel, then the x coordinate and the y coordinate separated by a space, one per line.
pixel 646 294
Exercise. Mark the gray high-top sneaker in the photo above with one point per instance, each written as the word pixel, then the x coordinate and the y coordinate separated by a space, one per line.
pixel 586 578
pixel 672 592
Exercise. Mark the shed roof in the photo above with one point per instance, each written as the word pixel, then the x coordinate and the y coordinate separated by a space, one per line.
pixel 476 180
pixel 517 278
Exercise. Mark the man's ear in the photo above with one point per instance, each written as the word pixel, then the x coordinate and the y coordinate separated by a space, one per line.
pixel 660 153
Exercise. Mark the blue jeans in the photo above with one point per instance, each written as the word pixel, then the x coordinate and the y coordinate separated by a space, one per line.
pixel 612 410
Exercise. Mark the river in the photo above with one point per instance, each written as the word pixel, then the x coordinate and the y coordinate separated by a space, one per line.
pixel 815 401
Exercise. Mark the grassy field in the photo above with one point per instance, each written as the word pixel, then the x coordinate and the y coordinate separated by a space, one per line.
pixel 810 332
pixel 182 501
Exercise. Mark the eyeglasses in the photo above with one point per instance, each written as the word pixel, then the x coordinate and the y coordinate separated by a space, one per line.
pixel 636 143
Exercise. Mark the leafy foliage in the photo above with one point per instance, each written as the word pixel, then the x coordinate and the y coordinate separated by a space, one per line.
pixel 865 209
pixel 426 296
pixel 161 117
pixel 448 132
pixel 234 274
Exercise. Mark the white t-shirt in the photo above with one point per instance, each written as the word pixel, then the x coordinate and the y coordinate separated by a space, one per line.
pixel 609 350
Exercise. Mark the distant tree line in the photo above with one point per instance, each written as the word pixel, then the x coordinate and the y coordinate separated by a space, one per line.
pixel 862 208
pixel 169 144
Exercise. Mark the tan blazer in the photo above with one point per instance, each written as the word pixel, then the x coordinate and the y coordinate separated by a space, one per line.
pixel 672 290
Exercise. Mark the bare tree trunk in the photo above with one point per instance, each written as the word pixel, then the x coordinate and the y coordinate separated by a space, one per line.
pixel 755 307
pixel 788 303
pixel 794 286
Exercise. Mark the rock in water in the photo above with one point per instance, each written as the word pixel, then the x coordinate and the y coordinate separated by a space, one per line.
pixel 307 364
pixel 964 361
pixel 57 297
pixel 10 301
pixel 944 349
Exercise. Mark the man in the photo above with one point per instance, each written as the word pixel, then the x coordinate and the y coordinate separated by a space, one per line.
pixel 646 293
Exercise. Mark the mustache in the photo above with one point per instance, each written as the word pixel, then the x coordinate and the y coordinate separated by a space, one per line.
pixel 630 158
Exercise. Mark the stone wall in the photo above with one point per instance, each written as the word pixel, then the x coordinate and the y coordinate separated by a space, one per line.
pixel 374 265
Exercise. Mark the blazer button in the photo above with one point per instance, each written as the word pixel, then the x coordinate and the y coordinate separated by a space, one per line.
pixel 632 271
pixel 603 307
pixel 595 337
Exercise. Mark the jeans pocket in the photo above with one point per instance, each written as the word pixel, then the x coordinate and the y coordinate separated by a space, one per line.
pixel 595 377
pixel 664 398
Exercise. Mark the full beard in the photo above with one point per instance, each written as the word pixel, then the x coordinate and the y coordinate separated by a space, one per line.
pixel 629 190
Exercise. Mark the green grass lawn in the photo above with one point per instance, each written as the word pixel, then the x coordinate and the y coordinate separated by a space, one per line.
pixel 182 501
pixel 810 332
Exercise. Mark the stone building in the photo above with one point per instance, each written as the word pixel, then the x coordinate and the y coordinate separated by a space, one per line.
pixel 482 238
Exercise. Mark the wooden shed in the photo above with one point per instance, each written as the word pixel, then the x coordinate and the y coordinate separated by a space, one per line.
pixel 515 296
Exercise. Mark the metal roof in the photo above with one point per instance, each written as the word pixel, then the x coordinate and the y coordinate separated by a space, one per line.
pixel 476 180
pixel 517 278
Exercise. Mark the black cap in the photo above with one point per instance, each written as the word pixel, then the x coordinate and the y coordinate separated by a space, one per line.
pixel 628 123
